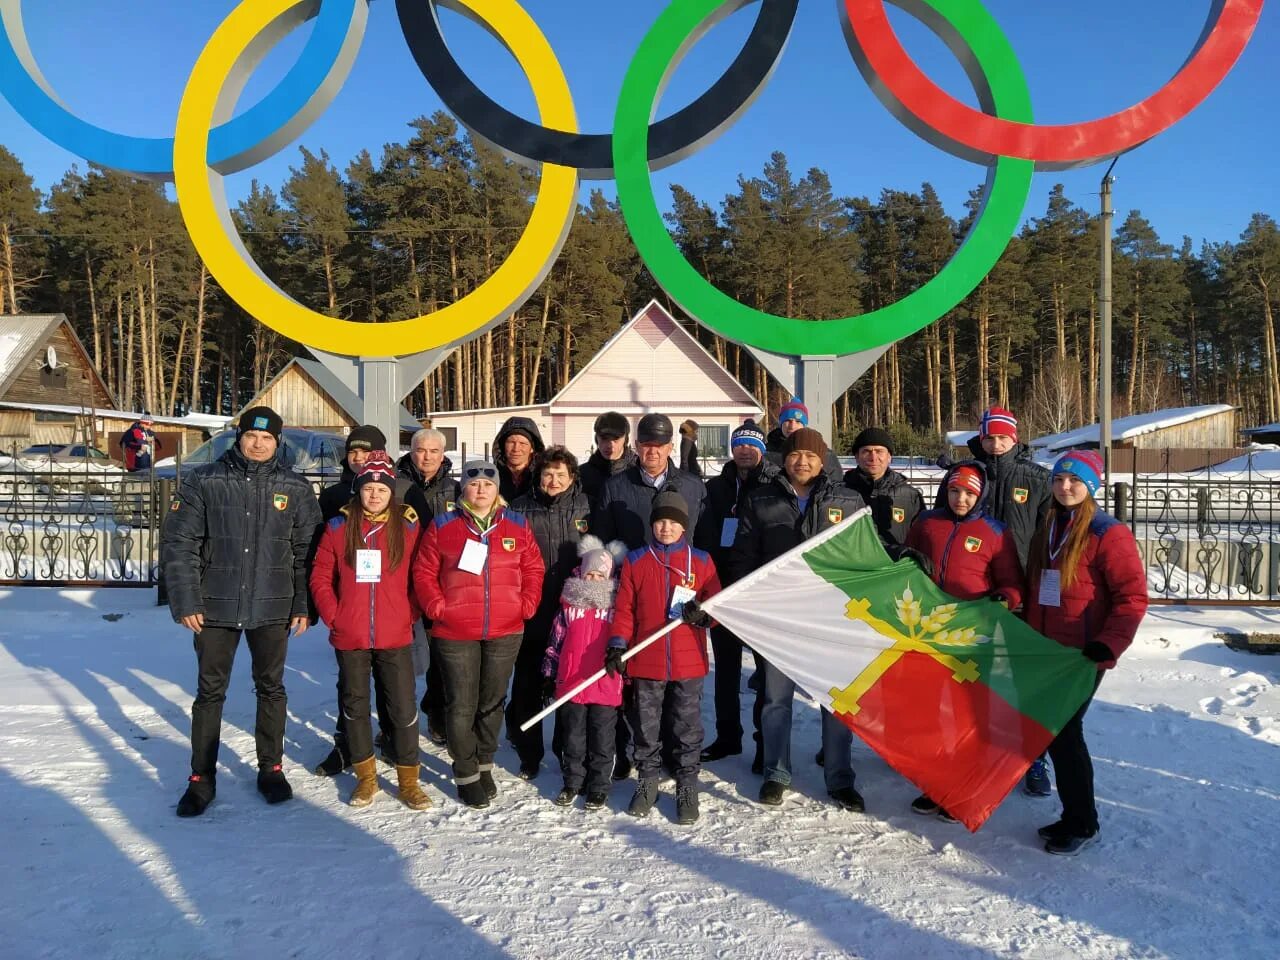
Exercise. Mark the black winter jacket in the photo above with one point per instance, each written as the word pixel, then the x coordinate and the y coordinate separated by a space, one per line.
pixel 894 502
pixel 726 497
pixel 1019 493
pixel 235 543
pixel 558 523
pixel 431 497
pixel 337 495
pixel 621 511
pixel 597 470
pixel 507 484
pixel 770 521
pixel 689 457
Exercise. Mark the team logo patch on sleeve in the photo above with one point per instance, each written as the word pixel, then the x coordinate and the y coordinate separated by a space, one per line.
pixel 280 501
pixel 175 504
pixel 581 525
pixel 448 506
pixel 834 514
pixel 972 544
pixel 1020 494
pixel 899 515
pixel 509 544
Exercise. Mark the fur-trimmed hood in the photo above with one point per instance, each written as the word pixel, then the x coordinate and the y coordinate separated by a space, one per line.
pixel 589 594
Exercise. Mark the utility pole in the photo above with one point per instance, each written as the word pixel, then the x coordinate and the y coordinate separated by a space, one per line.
pixel 1104 303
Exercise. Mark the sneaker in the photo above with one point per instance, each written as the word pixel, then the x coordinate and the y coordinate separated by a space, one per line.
pixel 487 785
pixel 528 769
pixel 946 817
pixel 771 793
pixel 645 797
pixel 924 806
pixel 687 803
pixel 473 795
pixel 847 798
pixel 1068 845
pixel 199 795
pixel 333 764
pixel 596 801
pixel 1036 783
pixel 273 785
pixel 719 750
pixel 1055 831
pixel 565 797
pixel 621 768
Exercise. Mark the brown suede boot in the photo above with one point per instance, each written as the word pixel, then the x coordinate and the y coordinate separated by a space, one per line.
pixel 411 793
pixel 366 784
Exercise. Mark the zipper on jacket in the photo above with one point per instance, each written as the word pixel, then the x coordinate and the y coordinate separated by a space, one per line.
pixel 373 596
pixel 946 551
pixel 484 627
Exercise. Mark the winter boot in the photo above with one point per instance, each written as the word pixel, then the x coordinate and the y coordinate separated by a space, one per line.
pixel 946 817
pixel 1055 831
pixel 366 783
pixel 473 795
pixel 771 793
pixel 273 785
pixel 645 797
pixel 411 793
pixel 719 750
pixel 1036 783
pixel 565 797
pixel 687 803
pixel 528 769
pixel 1068 845
pixel 487 784
pixel 923 806
pixel 847 798
pixel 334 763
pixel 621 767
pixel 200 791
pixel 596 800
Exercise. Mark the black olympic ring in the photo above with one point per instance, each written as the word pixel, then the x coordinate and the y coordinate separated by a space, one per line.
pixel 670 140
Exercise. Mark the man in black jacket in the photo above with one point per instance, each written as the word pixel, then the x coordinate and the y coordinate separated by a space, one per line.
pixel 361 442
pixel 776 517
pixel 234 549
pixel 726 494
pixel 518 442
pixel 613 453
pixel 559 514
pixel 894 503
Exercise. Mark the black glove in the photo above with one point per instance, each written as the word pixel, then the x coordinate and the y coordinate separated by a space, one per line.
pixel 691 613
pixel 613 661
pixel 1097 651
pixel 921 561
pixel 548 690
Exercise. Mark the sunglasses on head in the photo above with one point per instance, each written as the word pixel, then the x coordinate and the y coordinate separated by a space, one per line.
pixel 480 473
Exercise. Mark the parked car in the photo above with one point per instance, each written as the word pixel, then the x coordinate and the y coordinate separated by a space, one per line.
pixel 66 452
pixel 306 451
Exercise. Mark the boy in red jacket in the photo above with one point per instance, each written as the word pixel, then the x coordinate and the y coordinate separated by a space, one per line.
pixel 657 581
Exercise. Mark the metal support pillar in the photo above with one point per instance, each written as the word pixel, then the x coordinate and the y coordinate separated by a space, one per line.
pixel 1104 304
pixel 381 383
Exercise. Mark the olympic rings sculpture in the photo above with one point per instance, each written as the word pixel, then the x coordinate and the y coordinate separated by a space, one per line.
pixel 210 142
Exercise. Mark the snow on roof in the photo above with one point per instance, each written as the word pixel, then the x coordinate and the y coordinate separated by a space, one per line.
pixel 198 421
pixel 1265 428
pixel 960 438
pixel 1265 460
pixel 1127 427
pixel 21 334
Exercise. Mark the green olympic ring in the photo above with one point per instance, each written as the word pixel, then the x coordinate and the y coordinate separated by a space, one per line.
pixel 1001 87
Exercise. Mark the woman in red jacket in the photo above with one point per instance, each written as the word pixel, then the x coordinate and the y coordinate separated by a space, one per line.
pixel 479 578
pixel 1086 588
pixel 360 582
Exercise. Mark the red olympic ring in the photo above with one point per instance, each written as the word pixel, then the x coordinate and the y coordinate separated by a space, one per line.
pixel 959 129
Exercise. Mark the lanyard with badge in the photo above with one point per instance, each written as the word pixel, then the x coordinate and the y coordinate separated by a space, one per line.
pixel 729 528
pixel 682 594
pixel 369 561
pixel 475 552
pixel 1051 580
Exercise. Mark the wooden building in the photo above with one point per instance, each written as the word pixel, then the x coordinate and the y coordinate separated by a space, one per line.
pixel 43 364
pixel 1174 439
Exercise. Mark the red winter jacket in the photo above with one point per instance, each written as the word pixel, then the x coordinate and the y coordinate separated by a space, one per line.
pixel 972 556
pixel 478 606
pixel 1108 598
pixel 364 615
pixel 649 576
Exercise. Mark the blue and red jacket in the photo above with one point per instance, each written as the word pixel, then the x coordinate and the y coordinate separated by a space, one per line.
pixel 478 606
pixel 973 556
pixel 649 577
pixel 362 616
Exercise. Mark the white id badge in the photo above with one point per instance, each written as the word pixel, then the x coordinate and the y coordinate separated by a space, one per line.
pixel 679 597
pixel 473 557
pixel 1050 588
pixel 728 531
pixel 368 566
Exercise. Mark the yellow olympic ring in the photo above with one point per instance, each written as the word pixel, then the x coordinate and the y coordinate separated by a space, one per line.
pixel 210 97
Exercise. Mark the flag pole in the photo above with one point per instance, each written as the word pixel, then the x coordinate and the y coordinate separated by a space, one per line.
pixel 728 593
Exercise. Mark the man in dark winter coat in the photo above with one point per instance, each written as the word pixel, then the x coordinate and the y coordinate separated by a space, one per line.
pixel 612 454
pixel 558 513
pixel 432 491
pixel 726 494
pixel 894 503
pixel 234 548
pixel 361 442
pixel 514 449
pixel 776 517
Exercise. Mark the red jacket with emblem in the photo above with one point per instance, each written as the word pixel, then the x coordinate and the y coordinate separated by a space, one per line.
pixel 1107 599
pixel 478 606
pixel 649 577
pixel 363 616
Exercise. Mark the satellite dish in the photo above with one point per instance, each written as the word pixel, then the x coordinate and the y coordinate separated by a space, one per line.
pixel 51 357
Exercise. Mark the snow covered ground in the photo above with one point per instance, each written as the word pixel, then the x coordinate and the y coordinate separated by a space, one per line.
pixel 95 689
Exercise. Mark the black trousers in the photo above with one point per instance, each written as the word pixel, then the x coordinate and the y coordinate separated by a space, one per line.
pixel 395 686
pixel 526 700
pixel 433 696
pixel 727 685
pixel 666 720
pixel 475 674
pixel 1073 771
pixel 215 653
pixel 340 739
pixel 587 743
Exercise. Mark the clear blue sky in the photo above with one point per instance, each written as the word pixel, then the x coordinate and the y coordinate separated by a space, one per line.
pixel 123 64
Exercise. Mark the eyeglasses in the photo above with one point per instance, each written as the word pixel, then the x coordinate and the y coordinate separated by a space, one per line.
pixel 480 473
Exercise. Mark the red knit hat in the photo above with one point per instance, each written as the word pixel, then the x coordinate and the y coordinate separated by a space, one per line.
pixel 377 469
pixel 999 422
pixel 966 478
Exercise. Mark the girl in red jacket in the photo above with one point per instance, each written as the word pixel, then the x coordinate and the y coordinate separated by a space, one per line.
pixel 1086 588
pixel 666 677
pixel 360 582
pixel 970 553
pixel 576 648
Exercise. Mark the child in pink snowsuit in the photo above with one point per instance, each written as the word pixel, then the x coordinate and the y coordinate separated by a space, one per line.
pixel 579 637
